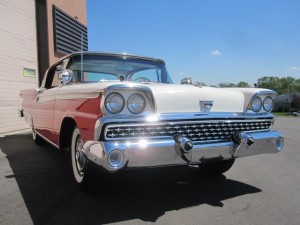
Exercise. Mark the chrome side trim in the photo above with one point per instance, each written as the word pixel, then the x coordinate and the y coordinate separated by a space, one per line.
pixel 46 139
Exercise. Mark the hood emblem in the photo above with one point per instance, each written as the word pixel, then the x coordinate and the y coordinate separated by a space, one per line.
pixel 205 106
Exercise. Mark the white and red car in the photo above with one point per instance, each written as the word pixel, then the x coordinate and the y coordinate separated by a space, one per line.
pixel 121 111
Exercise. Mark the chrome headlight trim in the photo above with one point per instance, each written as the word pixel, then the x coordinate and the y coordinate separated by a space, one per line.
pixel 114 102
pixel 136 103
pixel 268 104
pixel 256 104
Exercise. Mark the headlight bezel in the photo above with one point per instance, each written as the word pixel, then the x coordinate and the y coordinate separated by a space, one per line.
pixel 265 96
pixel 253 102
pixel 109 97
pixel 130 106
pixel 271 104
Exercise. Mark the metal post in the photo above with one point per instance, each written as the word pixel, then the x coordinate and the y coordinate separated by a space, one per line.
pixel 290 98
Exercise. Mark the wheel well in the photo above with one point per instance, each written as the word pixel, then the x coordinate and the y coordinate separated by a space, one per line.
pixel 66 132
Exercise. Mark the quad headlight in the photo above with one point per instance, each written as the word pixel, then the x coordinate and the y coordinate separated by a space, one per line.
pixel 114 103
pixel 136 103
pixel 268 104
pixel 262 103
pixel 256 104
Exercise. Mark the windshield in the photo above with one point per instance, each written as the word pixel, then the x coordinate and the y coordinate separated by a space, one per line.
pixel 100 68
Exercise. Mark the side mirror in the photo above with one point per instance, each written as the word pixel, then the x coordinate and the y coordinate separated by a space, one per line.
pixel 66 76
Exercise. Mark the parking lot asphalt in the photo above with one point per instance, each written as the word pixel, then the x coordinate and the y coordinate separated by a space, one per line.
pixel 36 187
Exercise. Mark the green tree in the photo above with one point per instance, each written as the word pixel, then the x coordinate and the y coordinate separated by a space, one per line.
pixel 272 83
pixel 296 86
pixel 243 84
pixel 226 84
pixel 280 85
pixel 286 85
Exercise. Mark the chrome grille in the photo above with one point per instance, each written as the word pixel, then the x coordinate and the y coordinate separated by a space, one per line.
pixel 197 131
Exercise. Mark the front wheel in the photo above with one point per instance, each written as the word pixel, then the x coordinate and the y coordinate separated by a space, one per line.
pixel 79 163
pixel 216 168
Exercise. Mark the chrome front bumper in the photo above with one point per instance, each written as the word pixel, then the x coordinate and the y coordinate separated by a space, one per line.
pixel 115 155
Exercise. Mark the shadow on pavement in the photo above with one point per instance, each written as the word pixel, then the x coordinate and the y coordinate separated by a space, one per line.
pixel 45 180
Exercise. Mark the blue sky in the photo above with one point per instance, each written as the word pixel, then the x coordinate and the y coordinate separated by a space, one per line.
pixel 212 41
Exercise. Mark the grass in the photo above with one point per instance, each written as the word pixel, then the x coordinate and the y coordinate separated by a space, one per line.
pixel 286 114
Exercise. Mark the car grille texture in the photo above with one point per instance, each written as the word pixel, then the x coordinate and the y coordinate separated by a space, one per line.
pixel 199 132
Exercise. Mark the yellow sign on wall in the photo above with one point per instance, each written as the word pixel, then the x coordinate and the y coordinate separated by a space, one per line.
pixel 29 72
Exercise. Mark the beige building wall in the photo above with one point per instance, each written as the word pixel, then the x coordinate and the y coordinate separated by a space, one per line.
pixel 19 53
pixel 75 8
pixel 18 50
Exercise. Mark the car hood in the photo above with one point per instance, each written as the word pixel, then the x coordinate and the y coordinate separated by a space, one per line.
pixel 171 98
pixel 189 98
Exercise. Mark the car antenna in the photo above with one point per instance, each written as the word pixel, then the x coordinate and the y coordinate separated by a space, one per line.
pixel 81 56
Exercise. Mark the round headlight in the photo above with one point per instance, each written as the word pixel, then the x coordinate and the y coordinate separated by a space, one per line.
pixel 114 103
pixel 268 104
pixel 256 104
pixel 136 103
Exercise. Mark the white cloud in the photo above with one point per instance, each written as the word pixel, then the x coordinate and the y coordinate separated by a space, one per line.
pixel 215 53
pixel 294 68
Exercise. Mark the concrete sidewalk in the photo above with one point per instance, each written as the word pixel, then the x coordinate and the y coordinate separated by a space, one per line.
pixel 24 131
pixel 13 209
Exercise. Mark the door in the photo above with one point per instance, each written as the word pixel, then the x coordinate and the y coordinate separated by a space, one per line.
pixel 45 105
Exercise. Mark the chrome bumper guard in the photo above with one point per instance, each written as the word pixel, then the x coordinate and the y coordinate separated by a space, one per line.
pixel 115 155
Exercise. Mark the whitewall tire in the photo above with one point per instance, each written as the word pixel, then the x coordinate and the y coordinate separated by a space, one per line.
pixel 79 164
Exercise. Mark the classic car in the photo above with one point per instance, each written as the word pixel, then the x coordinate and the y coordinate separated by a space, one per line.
pixel 121 111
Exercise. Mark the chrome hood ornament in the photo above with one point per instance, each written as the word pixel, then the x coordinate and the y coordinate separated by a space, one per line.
pixel 205 106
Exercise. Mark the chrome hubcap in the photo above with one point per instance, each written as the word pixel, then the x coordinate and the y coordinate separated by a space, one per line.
pixel 79 156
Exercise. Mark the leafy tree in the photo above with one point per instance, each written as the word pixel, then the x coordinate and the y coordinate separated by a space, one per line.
pixel 243 84
pixel 286 84
pixel 272 83
pixel 280 85
pixel 226 84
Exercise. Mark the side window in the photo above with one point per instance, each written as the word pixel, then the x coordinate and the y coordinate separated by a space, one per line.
pixel 75 67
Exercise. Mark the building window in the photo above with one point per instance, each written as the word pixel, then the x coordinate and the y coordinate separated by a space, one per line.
pixel 68 33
